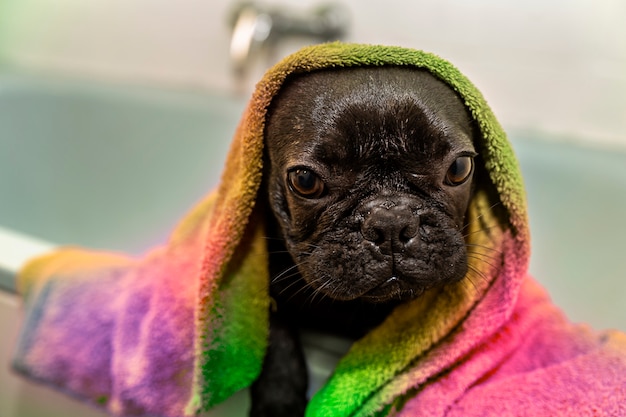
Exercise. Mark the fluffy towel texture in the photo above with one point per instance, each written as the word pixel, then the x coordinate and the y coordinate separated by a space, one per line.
pixel 184 327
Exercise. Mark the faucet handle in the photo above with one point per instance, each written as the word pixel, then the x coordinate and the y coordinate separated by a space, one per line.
pixel 324 22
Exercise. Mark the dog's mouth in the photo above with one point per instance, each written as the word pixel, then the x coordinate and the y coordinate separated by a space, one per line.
pixel 393 289
pixel 346 273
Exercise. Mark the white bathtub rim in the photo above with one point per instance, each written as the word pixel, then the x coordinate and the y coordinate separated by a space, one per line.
pixel 16 249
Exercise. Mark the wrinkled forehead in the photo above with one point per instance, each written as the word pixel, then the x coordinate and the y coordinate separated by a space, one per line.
pixel 351 113
pixel 330 88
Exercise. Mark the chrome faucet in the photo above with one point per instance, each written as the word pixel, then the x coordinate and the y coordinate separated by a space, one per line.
pixel 256 27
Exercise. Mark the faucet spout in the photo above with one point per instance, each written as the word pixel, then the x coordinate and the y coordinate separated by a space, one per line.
pixel 250 30
pixel 255 27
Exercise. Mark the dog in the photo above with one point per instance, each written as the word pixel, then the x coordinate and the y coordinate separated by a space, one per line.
pixel 368 175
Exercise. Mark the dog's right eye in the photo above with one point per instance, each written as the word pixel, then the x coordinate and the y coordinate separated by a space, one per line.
pixel 305 183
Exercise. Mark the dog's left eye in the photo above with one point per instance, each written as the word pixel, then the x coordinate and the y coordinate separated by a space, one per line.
pixel 305 183
pixel 460 170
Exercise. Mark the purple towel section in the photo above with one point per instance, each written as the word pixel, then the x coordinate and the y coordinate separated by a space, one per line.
pixel 125 343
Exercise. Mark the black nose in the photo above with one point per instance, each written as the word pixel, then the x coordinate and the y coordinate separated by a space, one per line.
pixel 389 224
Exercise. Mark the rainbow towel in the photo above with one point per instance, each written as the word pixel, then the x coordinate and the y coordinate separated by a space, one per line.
pixel 183 328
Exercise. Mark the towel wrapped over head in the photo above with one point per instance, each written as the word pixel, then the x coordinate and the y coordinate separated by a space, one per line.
pixel 186 326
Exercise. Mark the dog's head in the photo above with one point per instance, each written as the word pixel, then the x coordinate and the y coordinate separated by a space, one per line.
pixel 369 176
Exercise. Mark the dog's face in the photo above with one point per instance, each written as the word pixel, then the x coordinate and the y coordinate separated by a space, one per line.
pixel 370 176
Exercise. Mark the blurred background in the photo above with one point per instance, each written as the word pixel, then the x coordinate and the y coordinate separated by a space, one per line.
pixel 116 115
pixel 557 65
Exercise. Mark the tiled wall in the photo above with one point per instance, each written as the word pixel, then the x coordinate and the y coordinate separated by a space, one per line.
pixel 558 66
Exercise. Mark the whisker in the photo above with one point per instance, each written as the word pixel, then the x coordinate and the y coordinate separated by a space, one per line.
pixel 469 281
pixel 314 246
pixel 302 289
pixel 281 276
pixel 300 281
pixel 479 273
pixel 476 245
pixel 481 215
pixel 477 255
pixel 274 238
pixel 319 291
pixel 482 260
pixel 277 252
pixel 298 291
pixel 295 281
pixel 482 229
pixel 477 281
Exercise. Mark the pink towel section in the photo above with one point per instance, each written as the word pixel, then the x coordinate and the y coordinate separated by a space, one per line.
pixel 538 364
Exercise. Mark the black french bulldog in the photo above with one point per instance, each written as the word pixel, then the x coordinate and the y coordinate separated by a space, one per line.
pixel 368 174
